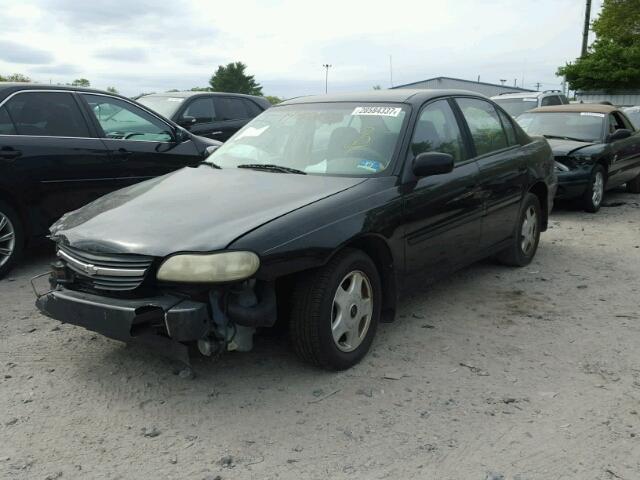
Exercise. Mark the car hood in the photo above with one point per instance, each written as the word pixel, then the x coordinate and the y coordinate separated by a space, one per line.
pixel 563 148
pixel 193 209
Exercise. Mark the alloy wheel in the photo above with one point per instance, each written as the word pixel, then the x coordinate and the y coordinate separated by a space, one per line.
pixel 529 231
pixel 7 239
pixel 597 190
pixel 352 311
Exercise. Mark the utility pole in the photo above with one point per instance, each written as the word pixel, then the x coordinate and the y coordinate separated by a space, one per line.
pixel 585 32
pixel 515 82
pixel 326 76
pixel 503 81
pixel 537 84
pixel 391 70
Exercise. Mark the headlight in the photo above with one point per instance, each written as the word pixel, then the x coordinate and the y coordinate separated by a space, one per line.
pixel 209 268
pixel 562 167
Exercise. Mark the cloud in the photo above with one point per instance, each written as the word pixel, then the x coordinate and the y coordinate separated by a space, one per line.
pixel 13 52
pixel 57 69
pixel 131 54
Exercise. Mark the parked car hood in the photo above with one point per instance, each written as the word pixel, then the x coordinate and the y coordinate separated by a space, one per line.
pixel 563 148
pixel 193 209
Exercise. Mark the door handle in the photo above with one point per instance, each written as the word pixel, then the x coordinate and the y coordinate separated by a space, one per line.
pixel 10 154
pixel 123 153
pixel 216 133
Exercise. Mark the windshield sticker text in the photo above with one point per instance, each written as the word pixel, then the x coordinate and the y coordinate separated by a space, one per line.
pixel 175 99
pixel 592 114
pixel 378 111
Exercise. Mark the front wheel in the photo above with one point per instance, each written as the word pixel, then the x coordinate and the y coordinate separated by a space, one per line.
pixel 527 235
pixel 592 199
pixel 11 238
pixel 336 311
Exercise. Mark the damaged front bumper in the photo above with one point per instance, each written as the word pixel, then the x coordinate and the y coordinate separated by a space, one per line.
pixel 168 322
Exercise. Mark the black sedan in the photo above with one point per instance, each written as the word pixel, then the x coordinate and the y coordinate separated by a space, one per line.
pixel 316 212
pixel 63 147
pixel 596 148
pixel 214 115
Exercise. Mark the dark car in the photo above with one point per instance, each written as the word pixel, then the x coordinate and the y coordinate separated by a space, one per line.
pixel 317 211
pixel 208 114
pixel 63 147
pixel 596 148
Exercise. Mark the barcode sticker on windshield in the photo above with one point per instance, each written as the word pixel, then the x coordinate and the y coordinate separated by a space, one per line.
pixel 379 111
pixel 592 114
pixel 529 99
pixel 175 99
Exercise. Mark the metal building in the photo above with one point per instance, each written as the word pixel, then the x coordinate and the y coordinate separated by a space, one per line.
pixel 621 98
pixel 488 89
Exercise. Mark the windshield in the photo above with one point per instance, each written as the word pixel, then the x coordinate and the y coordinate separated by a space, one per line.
pixel 165 106
pixel 582 126
pixel 516 106
pixel 318 138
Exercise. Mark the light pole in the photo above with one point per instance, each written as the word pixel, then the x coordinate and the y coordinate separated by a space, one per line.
pixel 326 76
pixel 503 81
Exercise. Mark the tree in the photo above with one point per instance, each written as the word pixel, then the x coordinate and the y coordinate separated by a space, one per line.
pixel 81 82
pixel 377 87
pixel 613 60
pixel 15 77
pixel 112 90
pixel 273 100
pixel 201 89
pixel 231 78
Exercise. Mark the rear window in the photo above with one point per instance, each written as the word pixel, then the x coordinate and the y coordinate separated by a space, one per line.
pixel 517 106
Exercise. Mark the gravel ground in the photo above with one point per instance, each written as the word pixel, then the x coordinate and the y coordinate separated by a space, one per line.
pixel 527 373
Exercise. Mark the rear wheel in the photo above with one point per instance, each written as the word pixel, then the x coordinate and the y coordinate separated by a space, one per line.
pixel 336 311
pixel 592 199
pixel 633 186
pixel 11 238
pixel 527 236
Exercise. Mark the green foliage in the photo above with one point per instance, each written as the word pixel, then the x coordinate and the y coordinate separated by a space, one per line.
pixel 613 60
pixel 273 99
pixel 377 87
pixel 15 77
pixel 232 78
pixel 112 90
pixel 200 89
pixel 81 82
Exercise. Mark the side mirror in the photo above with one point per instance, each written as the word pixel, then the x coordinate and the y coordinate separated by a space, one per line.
pixel 187 122
pixel 432 163
pixel 619 134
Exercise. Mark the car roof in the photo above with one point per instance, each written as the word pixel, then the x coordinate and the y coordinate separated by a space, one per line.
pixel 400 95
pixel 190 93
pixel 13 86
pixel 578 107
pixel 521 95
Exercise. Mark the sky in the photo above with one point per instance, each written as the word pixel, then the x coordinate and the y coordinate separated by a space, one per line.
pixel 152 46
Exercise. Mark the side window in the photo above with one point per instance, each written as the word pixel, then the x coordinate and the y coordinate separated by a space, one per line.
pixel 201 109
pixel 507 124
pixel 615 123
pixel 230 109
pixel 484 125
pixel 6 125
pixel 621 120
pixel 437 130
pixel 551 100
pixel 47 114
pixel 252 108
pixel 120 119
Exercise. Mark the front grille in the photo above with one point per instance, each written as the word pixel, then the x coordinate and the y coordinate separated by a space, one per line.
pixel 116 272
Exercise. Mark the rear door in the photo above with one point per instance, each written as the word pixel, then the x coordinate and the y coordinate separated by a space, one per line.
pixel 443 213
pixel 202 111
pixel 625 163
pixel 54 157
pixel 140 145
pixel 231 116
pixel 502 165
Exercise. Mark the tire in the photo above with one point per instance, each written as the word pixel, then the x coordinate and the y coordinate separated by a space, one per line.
pixel 592 198
pixel 527 234
pixel 11 238
pixel 633 186
pixel 318 308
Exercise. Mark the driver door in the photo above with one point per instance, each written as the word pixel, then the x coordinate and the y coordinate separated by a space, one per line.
pixel 140 145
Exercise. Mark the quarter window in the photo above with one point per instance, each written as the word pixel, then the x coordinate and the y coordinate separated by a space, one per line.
pixel 47 114
pixel 484 125
pixel 121 120
pixel 507 124
pixel 437 131
pixel 6 125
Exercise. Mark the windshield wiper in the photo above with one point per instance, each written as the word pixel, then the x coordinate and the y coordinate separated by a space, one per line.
pixel 211 164
pixel 561 137
pixel 272 168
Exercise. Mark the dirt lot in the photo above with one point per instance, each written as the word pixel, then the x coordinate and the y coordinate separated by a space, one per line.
pixel 531 373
